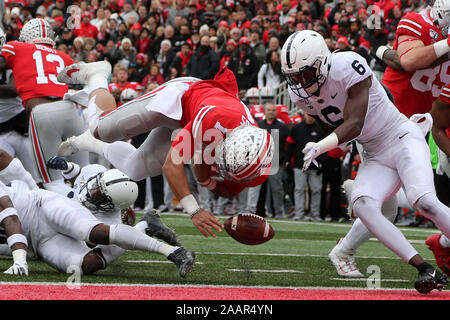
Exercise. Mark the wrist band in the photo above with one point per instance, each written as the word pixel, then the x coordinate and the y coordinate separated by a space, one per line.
pixel 328 143
pixel 210 184
pixel 71 172
pixel 190 204
pixel 441 48
pixel 19 255
pixel 380 52
pixel 5 213
pixel 195 212
pixel 15 238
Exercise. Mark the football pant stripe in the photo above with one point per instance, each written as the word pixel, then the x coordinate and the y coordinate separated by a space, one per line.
pixel 38 152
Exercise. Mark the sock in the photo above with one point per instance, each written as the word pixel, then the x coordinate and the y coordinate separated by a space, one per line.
pixel 166 249
pixel 93 114
pixel 129 238
pixel 444 241
pixel 87 142
pixel 141 226
pixel 16 171
pixel 357 235
pixel 97 84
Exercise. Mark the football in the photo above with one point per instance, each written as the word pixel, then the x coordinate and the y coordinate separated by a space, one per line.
pixel 248 228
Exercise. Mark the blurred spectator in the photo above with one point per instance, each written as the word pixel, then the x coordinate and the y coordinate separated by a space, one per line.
pixel 302 133
pixel 165 57
pixel 78 53
pixel 226 53
pixel 270 73
pixel 154 76
pixel 242 21
pixel 258 47
pixel 180 9
pixel 141 69
pixel 204 62
pixel 278 128
pixel 122 82
pixel 182 59
pixel 244 65
pixel 85 28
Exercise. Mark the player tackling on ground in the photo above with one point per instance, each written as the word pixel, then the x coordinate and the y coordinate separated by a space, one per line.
pixel 228 151
pixel 345 98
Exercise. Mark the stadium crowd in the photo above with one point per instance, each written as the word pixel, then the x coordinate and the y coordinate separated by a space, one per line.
pixel 151 42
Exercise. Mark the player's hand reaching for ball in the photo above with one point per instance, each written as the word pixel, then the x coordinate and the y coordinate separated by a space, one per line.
pixel 205 221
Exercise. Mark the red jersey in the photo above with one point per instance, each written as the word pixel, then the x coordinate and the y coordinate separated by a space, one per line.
pixel 257 111
pixel 35 68
pixel 445 96
pixel 414 92
pixel 297 118
pixel 128 85
pixel 86 30
pixel 211 108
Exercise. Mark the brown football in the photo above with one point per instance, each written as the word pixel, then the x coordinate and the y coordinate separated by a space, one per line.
pixel 248 228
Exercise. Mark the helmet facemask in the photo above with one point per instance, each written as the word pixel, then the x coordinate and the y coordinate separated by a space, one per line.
pixel 307 81
pixel 93 197
pixel 441 17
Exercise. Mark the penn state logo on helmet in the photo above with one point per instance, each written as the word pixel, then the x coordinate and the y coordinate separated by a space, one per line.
pixel 305 62
pixel 37 31
pixel 245 154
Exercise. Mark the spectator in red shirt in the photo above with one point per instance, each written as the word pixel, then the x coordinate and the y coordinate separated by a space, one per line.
pixel 155 76
pixel 86 29
pixel 242 21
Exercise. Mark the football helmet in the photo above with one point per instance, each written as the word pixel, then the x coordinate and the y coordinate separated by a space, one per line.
pixel 440 13
pixel 2 38
pixel 37 31
pixel 305 62
pixel 267 94
pixel 108 191
pixel 128 95
pixel 252 93
pixel 245 154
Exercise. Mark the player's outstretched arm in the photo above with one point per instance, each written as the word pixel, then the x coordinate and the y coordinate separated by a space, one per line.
pixel 16 239
pixel 440 112
pixel 202 172
pixel 176 177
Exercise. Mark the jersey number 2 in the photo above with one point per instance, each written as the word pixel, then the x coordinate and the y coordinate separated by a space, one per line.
pixel 41 77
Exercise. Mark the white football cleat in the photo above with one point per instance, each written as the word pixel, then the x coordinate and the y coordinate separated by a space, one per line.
pixel 345 264
pixel 82 73
pixel 67 148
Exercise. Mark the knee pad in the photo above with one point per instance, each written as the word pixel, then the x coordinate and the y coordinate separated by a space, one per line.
pixel 389 209
pixel 365 206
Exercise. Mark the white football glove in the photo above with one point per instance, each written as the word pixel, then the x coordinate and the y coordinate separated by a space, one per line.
pixel 18 268
pixel 310 151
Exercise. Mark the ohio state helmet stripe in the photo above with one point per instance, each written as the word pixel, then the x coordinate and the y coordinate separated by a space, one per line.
pixel 43 31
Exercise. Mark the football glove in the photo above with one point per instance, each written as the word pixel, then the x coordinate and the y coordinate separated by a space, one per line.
pixel 310 151
pixel 18 268
pixel 57 163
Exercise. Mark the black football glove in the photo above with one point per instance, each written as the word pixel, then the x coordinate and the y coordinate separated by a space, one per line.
pixel 57 163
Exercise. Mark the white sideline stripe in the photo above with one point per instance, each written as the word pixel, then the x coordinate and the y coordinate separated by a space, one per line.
pixel 196 286
pixel 365 279
pixel 154 261
pixel 265 271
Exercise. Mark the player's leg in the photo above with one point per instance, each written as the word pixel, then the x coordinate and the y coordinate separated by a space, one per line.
pixel 342 255
pixel 48 123
pixel 414 167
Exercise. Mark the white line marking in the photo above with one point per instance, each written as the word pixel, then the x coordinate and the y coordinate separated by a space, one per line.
pixel 265 271
pixel 154 261
pixel 364 279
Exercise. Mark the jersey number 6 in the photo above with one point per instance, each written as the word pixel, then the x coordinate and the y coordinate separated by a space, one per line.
pixel 358 67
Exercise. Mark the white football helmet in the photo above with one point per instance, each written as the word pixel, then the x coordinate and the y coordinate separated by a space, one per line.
pixel 128 95
pixel 267 94
pixel 108 191
pixel 252 93
pixel 245 154
pixel 440 13
pixel 305 61
pixel 2 38
pixel 37 31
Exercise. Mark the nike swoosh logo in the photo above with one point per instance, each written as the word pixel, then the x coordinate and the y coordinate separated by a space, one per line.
pixel 403 135
pixel 69 73
pixel 432 274
pixel 333 96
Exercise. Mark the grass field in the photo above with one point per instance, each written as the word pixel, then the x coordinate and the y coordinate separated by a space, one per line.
pixel 296 257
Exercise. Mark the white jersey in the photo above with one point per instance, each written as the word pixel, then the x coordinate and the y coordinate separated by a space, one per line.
pixel 347 69
pixel 9 107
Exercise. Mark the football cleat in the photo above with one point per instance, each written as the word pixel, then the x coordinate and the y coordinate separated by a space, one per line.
pixel 441 254
pixel 156 228
pixel 184 259
pixel 430 279
pixel 345 264
pixel 80 73
pixel 72 145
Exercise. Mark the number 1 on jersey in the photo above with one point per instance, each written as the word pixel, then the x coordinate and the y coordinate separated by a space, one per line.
pixel 41 77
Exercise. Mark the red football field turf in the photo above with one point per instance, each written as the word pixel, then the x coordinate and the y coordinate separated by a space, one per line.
pixel 22 291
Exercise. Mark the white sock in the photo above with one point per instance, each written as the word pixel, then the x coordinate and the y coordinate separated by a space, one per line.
pixel 129 238
pixel 93 114
pixel 86 141
pixel 444 241
pixel 166 249
pixel 16 171
pixel 141 226
pixel 357 235
pixel 97 84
